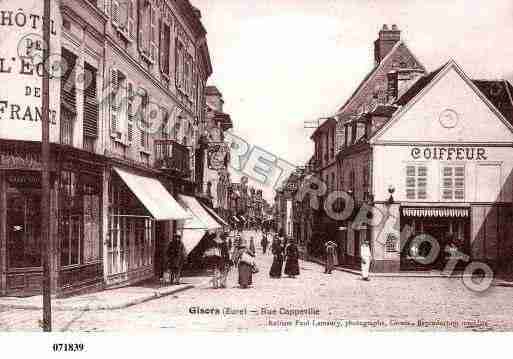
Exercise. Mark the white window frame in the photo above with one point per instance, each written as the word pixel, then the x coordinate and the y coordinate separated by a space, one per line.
pixel 417 165
pixel 453 189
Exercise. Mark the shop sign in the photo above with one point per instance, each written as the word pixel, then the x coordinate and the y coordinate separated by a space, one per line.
pixel 24 180
pixel 22 67
pixel 217 154
pixel 20 160
pixel 449 153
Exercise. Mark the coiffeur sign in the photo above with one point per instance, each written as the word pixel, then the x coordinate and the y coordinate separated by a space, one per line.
pixel 21 69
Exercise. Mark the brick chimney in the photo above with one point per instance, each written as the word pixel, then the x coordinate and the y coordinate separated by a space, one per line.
pixel 386 40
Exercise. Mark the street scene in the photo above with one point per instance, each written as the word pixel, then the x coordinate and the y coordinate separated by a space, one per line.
pixel 382 304
pixel 221 166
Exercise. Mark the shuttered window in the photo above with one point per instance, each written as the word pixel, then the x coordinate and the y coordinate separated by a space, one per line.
pixel 68 87
pixel 416 181
pixel 91 106
pixel 453 183
pixel 165 38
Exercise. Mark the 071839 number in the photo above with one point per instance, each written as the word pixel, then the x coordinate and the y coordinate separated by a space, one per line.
pixel 68 347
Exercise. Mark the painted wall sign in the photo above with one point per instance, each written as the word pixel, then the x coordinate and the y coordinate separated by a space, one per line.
pixel 20 160
pixel 22 67
pixel 449 153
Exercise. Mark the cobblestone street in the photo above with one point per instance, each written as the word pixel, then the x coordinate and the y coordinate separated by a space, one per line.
pixel 386 303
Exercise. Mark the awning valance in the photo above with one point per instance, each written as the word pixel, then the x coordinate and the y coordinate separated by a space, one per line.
pixel 221 221
pixel 461 212
pixel 153 196
pixel 200 214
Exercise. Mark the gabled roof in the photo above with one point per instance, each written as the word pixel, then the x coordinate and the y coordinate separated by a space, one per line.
pixel 418 86
pixel 374 71
pixel 497 94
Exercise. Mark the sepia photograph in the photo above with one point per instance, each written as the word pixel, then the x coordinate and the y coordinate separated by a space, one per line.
pixel 255 167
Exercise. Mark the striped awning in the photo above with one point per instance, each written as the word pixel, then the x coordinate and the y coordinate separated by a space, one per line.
pixel 436 212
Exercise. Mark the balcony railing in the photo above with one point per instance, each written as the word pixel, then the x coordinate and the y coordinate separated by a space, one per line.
pixel 172 156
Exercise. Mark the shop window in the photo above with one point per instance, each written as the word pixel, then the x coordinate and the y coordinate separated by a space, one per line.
pixel 23 222
pixel 79 220
pixel 416 181
pixel 453 183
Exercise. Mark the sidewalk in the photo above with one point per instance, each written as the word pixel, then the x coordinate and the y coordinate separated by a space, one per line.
pixel 107 299
pixel 499 281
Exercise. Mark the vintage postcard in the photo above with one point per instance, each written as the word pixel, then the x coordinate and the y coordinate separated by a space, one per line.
pixel 256 166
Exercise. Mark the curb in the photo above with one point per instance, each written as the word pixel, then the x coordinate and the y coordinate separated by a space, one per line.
pixel 99 307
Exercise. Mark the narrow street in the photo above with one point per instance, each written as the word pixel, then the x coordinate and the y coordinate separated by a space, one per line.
pixel 386 303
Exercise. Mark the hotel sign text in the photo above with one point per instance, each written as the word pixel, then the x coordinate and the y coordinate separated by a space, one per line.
pixel 449 153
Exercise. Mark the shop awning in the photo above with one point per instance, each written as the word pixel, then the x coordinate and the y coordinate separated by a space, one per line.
pixel 436 212
pixel 242 218
pixel 199 212
pixel 154 196
pixel 191 238
pixel 210 211
pixel 235 219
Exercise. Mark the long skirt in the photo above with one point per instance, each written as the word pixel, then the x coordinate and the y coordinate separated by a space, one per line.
pixel 365 267
pixel 292 266
pixel 330 263
pixel 276 267
pixel 245 275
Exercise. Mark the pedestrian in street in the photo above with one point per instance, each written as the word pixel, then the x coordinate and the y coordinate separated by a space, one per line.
pixel 176 256
pixel 291 259
pixel 225 264
pixel 277 251
pixel 244 261
pixel 230 243
pixel 330 247
pixel 366 258
pixel 252 245
pixel 214 260
pixel 264 243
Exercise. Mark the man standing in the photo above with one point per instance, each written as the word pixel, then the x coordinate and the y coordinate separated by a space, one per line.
pixel 225 262
pixel 330 256
pixel 176 257
pixel 366 258
pixel 264 243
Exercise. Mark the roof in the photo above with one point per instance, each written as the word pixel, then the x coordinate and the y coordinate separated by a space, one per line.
pixel 371 74
pixel 499 93
pixel 225 119
pixel 420 84
pixel 212 90
pixel 383 110
pixel 322 126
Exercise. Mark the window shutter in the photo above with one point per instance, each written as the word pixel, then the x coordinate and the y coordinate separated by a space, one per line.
pixel 106 7
pixel 153 34
pixel 161 46
pixel 115 12
pixel 113 98
pixel 410 182
pixel 91 105
pixel 140 25
pixel 422 182
pixel 130 21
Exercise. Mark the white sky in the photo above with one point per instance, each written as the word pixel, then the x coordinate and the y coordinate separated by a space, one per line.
pixel 283 62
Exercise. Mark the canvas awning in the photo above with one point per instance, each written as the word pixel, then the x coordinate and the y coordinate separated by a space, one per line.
pixel 199 212
pixel 459 212
pixel 191 238
pixel 242 218
pixel 221 221
pixel 153 196
pixel 235 219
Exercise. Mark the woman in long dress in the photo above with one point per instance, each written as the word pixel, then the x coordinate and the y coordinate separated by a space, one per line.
pixel 277 251
pixel 243 259
pixel 252 245
pixel 291 259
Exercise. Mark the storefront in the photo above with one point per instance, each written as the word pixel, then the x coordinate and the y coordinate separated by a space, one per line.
pixel 442 176
pixel 76 220
pixel 140 222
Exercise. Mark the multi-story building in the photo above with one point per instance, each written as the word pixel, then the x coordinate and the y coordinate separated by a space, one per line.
pixel 124 136
pixel 217 154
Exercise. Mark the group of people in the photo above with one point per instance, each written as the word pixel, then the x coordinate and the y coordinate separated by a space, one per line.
pixel 226 254
pixel 284 251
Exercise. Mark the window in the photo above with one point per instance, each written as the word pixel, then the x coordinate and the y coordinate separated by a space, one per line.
pixel 91 106
pixel 453 183
pixel 146 40
pixel 23 219
pixel 165 38
pixel 416 181
pixel 79 220
pixel 179 65
pixel 143 120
